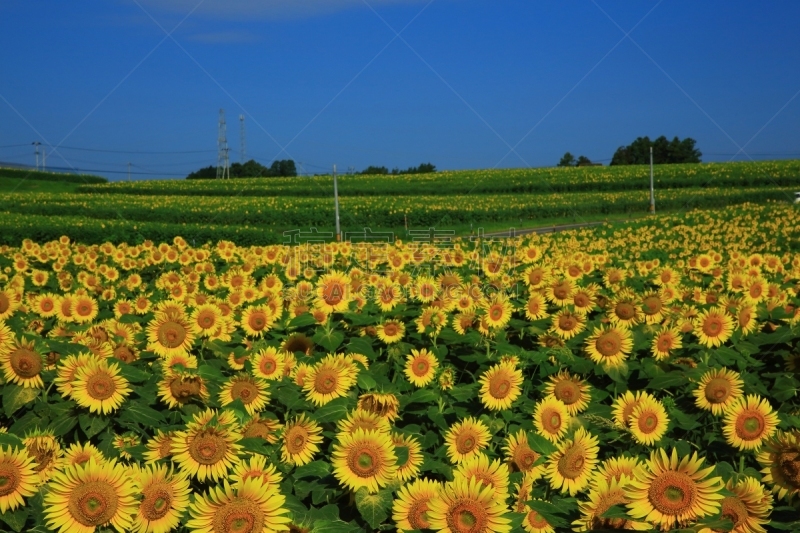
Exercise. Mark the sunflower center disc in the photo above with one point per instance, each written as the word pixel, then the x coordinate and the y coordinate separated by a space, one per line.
pixel 734 510
pixel 467 517
pixel 497 313
pixel 25 363
pixel 567 323
pixel 296 440
pixel 4 303
pixel 500 387
pixel 789 463
pixel 566 391
pixel 93 503
pixel 239 516
pixel 712 327
pixel 156 502
pixel 364 461
pixel 207 448
pixel 555 422
pixel 8 479
pixel 524 457
pixel 245 391
pixel 100 387
pixel 390 330
pixel 536 521
pixel 608 344
pixel 625 311
pixel 672 493
pixel 326 380
pixel 651 305
pixel 571 464
pixel 561 291
pixel 648 422
pixel 465 443
pixel 418 515
pixel 421 368
pixel 750 425
pixel 171 334
pixel 333 293
pixel 717 390
pixel 257 321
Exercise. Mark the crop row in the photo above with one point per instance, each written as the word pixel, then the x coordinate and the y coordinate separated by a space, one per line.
pixel 481 182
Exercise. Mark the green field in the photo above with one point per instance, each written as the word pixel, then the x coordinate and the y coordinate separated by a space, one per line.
pixel 262 211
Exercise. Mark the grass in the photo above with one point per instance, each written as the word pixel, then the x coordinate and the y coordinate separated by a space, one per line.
pixel 9 185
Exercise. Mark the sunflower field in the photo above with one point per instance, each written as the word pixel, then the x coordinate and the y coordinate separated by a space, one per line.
pixel 632 377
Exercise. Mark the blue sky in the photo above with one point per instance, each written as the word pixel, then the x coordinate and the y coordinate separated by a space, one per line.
pixel 467 84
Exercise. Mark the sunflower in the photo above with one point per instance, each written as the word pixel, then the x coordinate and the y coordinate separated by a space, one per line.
pixel 431 321
pixel 207 449
pixel 330 378
pixel 364 459
pixel 653 304
pixel 748 422
pixel 649 421
pixel 366 420
pixel 45 305
pixel 78 454
pixel 748 508
pixel 446 378
pixel 178 388
pixel 256 467
pixel 10 301
pixel 333 292
pixel 560 291
pixel 99 386
pixel 297 342
pixel 567 324
pixel 253 393
pixel 536 307
pixel 83 497
pixel 18 479
pixel 551 418
pixel 780 460
pixel 666 341
pixel 46 452
pixel 615 468
pixel 500 386
pixel 669 491
pixel 497 311
pixel 159 447
pixel 384 404
pixel 746 319
pixel 22 364
pixel 603 496
pixel 410 507
pixel 466 438
pixel 391 331
pixel 536 276
pixel 467 506
pixel 569 468
pixel 410 468
pixel 420 367
pixel 718 389
pixel 572 390
pixel 170 334
pixel 251 506
pixel 609 346
pixel 425 289
pixel 623 310
pixel 623 406
pixel 301 438
pixel 269 364
pixel 257 320
pixel 165 498
pixel 520 456
pixel 261 428
pixel 206 319
pixel 713 327
pixel 84 309
pixel 388 296
pixel 487 472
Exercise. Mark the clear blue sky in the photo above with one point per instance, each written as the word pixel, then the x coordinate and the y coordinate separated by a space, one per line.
pixel 329 80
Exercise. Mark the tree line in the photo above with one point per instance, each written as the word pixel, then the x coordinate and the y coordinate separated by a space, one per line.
pixel 665 152
pixel 287 168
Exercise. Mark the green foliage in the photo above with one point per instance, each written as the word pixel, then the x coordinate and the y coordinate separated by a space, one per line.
pixel 665 152
pixel 35 175
pixel 250 169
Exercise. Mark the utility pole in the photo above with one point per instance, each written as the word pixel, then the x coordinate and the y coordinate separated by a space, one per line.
pixel 336 203
pixel 223 161
pixel 129 171
pixel 44 159
pixel 242 139
pixel 36 144
pixel 652 190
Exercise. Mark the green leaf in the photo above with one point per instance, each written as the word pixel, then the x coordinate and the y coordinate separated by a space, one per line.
pixel 61 425
pixel 334 410
pixel 548 511
pixel 540 444
pixel 668 381
pixel 374 508
pixel 255 445
pixel 334 526
pixel 16 519
pixel 362 346
pixel 419 396
pixel 330 341
pixel 144 415
pixel 131 373
pixel 463 392
pixel 616 511
pixel 15 397
pixel 302 321
pixel 92 424
pixel 784 389
pixel 402 455
pixel 9 439
pixel 314 469
pixel 365 381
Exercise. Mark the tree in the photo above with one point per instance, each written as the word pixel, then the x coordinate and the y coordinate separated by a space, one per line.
pixel 664 152
pixel 207 173
pixel 372 170
pixel 583 161
pixel 568 160
pixel 423 168
pixel 250 169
